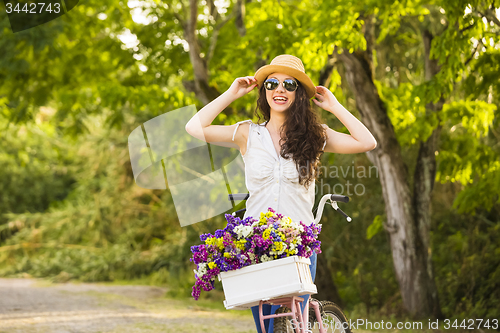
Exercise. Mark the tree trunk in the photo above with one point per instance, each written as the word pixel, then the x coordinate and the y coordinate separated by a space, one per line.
pixel 409 256
pixel 424 176
pixel 204 92
pixel 425 173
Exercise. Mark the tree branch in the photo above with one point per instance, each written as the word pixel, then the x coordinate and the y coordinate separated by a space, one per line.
pixel 325 73
pixel 193 15
pixel 490 16
pixel 240 17
pixel 473 53
pixel 467 28
pixel 212 9
pixel 180 19
pixel 215 35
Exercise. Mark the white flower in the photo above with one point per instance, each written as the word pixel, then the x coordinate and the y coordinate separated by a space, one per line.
pixel 252 257
pixel 202 270
pixel 265 258
pixel 286 221
pixel 243 231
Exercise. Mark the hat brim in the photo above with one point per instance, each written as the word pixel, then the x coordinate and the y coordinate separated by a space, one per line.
pixel 263 72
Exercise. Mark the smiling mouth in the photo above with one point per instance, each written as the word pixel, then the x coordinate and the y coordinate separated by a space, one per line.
pixel 280 99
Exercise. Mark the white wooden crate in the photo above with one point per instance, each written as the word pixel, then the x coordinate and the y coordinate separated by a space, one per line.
pixel 249 285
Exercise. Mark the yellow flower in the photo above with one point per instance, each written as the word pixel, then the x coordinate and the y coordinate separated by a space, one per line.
pixel 227 255
pixel 278 246
pixel 212 265
pixel 219 242
pixel 266 234
pixel 269 214
pixel 240 244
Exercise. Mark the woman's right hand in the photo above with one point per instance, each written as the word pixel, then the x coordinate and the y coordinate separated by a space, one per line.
pixel 242 86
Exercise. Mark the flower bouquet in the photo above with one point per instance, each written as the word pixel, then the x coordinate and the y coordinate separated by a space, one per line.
pixel 250 241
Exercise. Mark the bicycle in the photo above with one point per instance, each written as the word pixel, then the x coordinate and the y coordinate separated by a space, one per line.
pixel 325 315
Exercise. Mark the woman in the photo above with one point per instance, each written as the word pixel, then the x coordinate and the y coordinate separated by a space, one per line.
pixel 282 154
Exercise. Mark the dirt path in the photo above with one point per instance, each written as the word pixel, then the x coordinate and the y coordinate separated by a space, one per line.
pixel 28 305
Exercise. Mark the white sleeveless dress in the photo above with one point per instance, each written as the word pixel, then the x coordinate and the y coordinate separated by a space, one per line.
pixel 272 180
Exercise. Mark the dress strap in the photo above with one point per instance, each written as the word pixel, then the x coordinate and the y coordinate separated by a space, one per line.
pixel 324 145
pixel 238 124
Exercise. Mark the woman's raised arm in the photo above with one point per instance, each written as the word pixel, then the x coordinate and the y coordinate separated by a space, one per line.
pixel 200 125
pixel 359 141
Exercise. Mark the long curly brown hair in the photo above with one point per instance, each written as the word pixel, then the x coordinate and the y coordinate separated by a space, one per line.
pixel 302 134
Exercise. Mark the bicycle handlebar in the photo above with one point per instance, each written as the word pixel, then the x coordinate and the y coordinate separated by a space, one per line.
pixel 334 198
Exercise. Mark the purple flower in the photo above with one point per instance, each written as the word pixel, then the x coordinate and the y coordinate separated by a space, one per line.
pixel 204 237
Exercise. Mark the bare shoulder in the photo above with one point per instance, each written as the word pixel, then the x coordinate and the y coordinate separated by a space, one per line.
pixel 241 132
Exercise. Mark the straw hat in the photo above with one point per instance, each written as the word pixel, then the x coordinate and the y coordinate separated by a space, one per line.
pixel 287 64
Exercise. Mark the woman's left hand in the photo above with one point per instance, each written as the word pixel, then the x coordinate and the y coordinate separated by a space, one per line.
pixel 325 99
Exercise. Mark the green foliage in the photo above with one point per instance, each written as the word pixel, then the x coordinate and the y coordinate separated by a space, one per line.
pixel 407 113
pixel 469 155
pixel 36 170
pixel 474 116
pixel 375 227
pixel 467 261
pixel 107 228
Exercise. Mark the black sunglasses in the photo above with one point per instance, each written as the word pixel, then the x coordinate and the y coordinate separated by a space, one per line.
pixel 288 84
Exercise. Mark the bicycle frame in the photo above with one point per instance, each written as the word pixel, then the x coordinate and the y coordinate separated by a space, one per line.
pixel 294 304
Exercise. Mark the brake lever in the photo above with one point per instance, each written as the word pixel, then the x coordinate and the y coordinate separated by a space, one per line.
pixel 337 208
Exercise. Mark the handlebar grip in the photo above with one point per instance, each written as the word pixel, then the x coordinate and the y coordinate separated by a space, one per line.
pixel 338 197
pixel 238 196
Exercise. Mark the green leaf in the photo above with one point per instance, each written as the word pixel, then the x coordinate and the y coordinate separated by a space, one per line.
pixel 375 227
